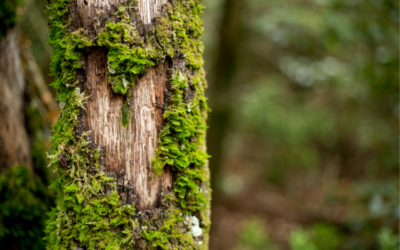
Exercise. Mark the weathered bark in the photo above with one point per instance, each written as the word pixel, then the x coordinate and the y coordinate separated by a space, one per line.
pixel 14 141
pixel 157 161
pixel 128 150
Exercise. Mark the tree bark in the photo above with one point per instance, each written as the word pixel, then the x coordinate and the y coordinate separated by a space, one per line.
pixel 14 141
pixel 129 150
pixel 144 129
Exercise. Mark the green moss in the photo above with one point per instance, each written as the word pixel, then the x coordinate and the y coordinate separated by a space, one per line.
pixel 126 115
pixel 173 230
pixel 180 143
pixel 89 212
pixel 88 206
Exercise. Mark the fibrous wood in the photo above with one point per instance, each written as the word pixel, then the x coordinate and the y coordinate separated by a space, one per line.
pixel 129 150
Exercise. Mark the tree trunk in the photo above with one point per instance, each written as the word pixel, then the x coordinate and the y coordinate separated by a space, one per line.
pixel 221 84
pixel 24 197
pixel 129 143
pixel 14 141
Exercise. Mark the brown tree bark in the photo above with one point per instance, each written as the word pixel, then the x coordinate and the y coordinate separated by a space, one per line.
pixel 129 150
pixel 14 140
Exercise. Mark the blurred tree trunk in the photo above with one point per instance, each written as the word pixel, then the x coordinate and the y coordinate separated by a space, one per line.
pixel 24 197
pixel 131 89
pixel 14 140
pixel 224 70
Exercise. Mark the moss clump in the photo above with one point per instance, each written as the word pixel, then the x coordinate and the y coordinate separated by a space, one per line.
pixel 89 212
pixel 126 115
pixel 180 142
pixel 127 57
pixel 170 229
pixel 24 203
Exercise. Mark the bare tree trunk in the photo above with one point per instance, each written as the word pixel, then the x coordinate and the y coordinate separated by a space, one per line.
pixel 131 86
pixel 14 141
pixel 223 73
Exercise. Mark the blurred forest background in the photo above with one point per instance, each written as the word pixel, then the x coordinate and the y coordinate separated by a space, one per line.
pixel 304 128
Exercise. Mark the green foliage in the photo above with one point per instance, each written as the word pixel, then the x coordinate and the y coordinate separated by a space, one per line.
pixel 387 240
pixel 300 239
pixel 253 236
pixel 294 138
pixel 320 237
pixel 24 203
pixel 321 99
pixel 8 14
pixel 326 237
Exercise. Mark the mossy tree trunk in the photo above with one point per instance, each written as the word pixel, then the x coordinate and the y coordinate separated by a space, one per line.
pixel 129 145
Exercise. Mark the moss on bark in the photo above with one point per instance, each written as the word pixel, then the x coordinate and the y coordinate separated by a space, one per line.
pixel 89 213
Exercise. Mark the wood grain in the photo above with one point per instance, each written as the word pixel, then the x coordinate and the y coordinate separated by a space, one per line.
pixel 129 150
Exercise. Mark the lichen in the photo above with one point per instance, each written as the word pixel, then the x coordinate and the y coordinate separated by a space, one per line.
pixel 90 212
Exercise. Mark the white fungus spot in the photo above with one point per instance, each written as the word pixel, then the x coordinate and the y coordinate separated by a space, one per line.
pixel 194 220
pixel 195 230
